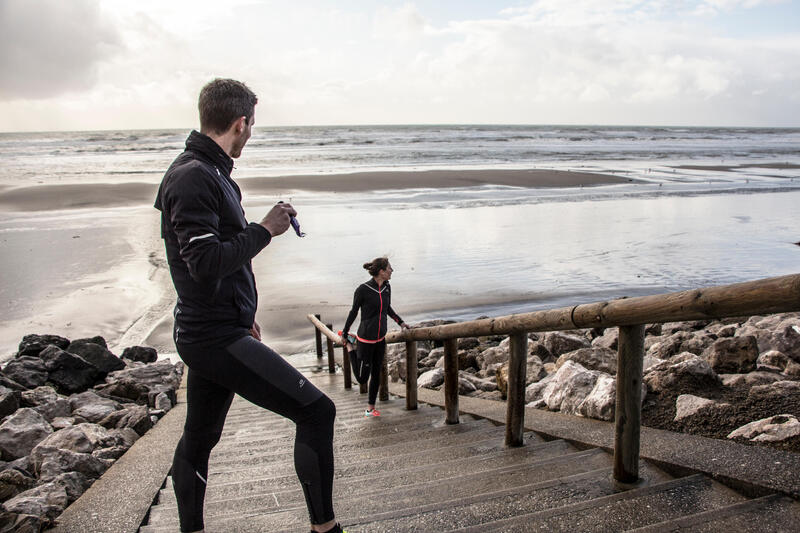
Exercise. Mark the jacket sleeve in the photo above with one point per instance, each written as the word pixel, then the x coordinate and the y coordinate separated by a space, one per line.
pixel 394 315
pixel 357 297
pixel 193 201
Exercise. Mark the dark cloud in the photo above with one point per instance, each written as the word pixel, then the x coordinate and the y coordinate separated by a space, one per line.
pixel 51 47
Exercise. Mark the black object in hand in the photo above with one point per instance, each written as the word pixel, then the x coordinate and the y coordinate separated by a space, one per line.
pixel 295 224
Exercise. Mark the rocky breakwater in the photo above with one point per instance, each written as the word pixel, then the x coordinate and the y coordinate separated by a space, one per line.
pixel 735 378
pixel 68 410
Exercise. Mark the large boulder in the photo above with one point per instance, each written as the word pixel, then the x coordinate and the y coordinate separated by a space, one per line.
pixel 49 463
pixel 12 482
pixel 609 339
pixel 773 429
pixel 534 391
pixel 21 432
pixel 162 376
pixel 570 386
pixel 683 370
pixel 772 361
pixel 688 405
pixel 96 355
pixel 9 401
pixel 48 500
pixel 559 342
pixel 733 355
pixel 33 344
pixel 431 379
pixel 67 371
pixel 143 354
pixel 774 391
pixel 92 407
pixel 482 384
pixel 595 358
pixel 30 372
pixel 492 356
pixel 601 400
pixel 667 346
pixel 39 396
pixel 534 370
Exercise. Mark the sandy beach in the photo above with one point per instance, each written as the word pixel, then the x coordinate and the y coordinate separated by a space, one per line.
pixel 86 259
pixel 71 196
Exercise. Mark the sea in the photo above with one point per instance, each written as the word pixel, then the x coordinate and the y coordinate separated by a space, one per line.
pixel 701 207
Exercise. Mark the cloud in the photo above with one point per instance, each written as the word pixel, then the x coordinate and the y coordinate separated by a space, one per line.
pixel 51 47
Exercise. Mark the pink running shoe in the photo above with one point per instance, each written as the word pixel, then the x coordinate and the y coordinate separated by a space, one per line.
pixel 372 412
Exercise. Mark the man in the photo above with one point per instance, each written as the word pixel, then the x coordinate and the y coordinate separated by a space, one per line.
pixel 209 246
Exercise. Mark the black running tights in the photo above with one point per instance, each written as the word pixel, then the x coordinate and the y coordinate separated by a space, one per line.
pixel 251 369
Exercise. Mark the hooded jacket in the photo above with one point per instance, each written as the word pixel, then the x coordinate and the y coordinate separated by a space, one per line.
pixel 375 304
pixel 209 245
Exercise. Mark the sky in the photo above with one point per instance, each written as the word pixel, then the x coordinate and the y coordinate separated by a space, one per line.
pixel 122 64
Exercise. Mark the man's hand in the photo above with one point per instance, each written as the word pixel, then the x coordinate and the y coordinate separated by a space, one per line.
pixel 277 220
pixel 255 331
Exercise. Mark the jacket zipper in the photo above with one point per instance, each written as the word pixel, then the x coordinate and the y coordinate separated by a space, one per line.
pixel 380 311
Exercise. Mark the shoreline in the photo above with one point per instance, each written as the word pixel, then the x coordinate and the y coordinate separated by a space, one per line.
pixel 81 196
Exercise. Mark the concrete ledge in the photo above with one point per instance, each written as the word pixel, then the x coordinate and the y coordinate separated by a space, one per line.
pixel 753 470
pixel 119 501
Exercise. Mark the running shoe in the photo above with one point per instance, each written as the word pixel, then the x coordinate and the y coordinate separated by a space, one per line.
pixel 372 412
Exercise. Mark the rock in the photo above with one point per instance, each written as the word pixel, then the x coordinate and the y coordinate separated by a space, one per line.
pixel 772 360
pixel 71 438
pixel 50 463
pixel 113 453
pixel 534 391
pixel 55 409
pixel 22 523
pixel 697 343
pixel 485 385
pixel 778 389
pixel 61 422
pixel 21 432
pixel 47 500
pixel 468 343
pixel 159 373
pixel 142 354
pixel 32 345
pixel 124 437
pixel 733 355
pixel 9 383
pixel 601 401
pixel 595 358
pixel 501 376
pixel 559 343
pixel 13 482
pixel 100 341
pixel 684 369
pixel 750 379
pixel 492 356
pixel 534 370
pixel 609 339
pixel 39 396
pixel 668 346
pixel 97 355
pixel 68 371
pixel 649 362
pixel 465 386
pixel 96 412
pixel 163 402
pixel 127 388
pixel 773 429
pixel 570 386
pixel 688 405
pixel 9 401
pixel 29 372
pixel 76 401
pixel 431 379
pixel 792 369
pixel 467 360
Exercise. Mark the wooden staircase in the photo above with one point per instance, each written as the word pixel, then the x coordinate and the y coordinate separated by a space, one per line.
pixel 409 471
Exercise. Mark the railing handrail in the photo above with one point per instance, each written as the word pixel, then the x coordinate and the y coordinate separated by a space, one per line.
pixel 764 296
pixel 759 297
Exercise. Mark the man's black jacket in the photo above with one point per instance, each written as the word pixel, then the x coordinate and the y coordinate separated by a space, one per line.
pixel 209 245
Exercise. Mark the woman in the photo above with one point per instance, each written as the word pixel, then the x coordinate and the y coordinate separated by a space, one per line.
pixel 373 298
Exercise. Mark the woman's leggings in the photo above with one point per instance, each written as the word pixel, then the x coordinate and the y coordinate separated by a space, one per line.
pixel 369 362
pixel 252 370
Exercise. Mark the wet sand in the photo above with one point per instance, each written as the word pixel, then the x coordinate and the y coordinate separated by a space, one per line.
pixel 104 195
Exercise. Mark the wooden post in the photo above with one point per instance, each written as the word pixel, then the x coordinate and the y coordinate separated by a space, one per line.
pixel 318 336
pixel 348 378
pixel 451 380
pixel 383 390
pixel 517 369
pixel 411 375
pixel 629 403
pixel 331 356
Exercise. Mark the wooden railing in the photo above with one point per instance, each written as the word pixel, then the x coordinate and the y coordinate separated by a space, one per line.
pixel 760 297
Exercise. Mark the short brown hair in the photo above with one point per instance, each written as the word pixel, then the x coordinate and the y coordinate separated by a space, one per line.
pixel 223 101
pixel 376 265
